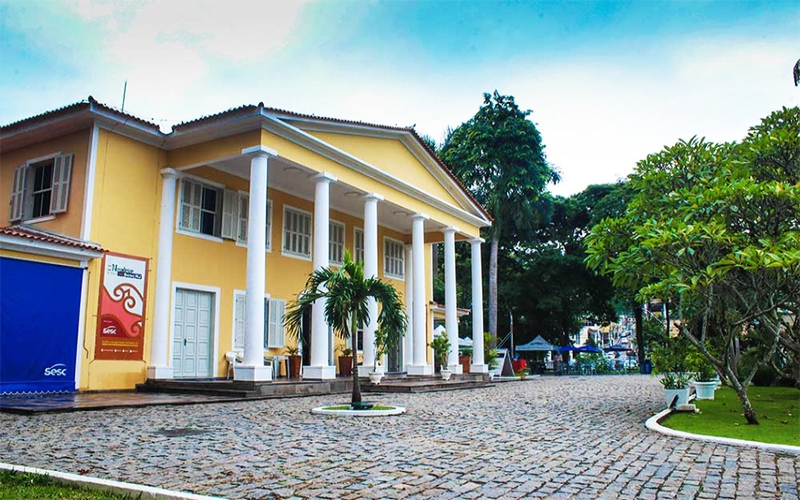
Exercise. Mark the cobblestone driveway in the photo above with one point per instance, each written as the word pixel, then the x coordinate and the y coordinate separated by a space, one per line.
pixel 559 437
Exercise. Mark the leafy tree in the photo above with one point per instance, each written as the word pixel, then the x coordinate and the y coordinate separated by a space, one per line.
pixel 714 229
pixel 499 156
pixel 346 292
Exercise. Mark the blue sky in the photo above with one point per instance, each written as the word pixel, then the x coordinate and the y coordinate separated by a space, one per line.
pixel 608 82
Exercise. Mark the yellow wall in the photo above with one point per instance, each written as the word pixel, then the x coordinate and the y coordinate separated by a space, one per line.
pixel 76 143
pixel 391 156
pixel 125 215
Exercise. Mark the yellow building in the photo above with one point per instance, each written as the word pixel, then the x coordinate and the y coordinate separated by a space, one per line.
pixel 129 254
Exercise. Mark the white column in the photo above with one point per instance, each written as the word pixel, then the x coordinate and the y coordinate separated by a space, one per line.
pixel 409 294
pixel 420 366
pixel 450 305
pixel 160 366
pixel 319 368
pixel 478 363
pixel 253 368
pixel 370 270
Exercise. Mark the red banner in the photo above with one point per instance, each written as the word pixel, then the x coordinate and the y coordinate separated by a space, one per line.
pixel 123 295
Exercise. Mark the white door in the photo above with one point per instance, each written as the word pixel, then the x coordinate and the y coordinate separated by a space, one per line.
pixel 191 347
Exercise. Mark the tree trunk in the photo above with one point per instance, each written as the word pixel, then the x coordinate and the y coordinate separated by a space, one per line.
pixel 356 398
pixel 741 391
pixel 494 250
pixel 639 327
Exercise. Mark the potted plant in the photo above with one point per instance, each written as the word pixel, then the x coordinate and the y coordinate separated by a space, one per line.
pixel 345 361
pixel 380 349
pixel 705 380
pixel 295 361
pixel 441 348
pixel 676 385
pixel 490 354
pixel 522 373
pixel 465 359
pixel 670 361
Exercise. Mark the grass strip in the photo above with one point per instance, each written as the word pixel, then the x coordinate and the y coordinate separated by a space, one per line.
pixel 777 410
pixel 22 485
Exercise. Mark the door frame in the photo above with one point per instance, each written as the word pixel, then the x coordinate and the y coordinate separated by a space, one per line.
pixel 215 329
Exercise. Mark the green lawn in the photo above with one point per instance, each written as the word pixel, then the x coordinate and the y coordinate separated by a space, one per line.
pixel 17 486
pixel 777 409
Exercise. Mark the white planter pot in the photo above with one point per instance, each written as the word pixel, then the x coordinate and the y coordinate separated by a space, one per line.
pixel 446 374
pixel 705 390
pixel 683 396
pixel 375 378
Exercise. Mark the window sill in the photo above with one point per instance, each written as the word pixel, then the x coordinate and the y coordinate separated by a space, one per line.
pixel 43 218
pixel 244 245
pixel 201 236
pixel 296 256
pixel 393 277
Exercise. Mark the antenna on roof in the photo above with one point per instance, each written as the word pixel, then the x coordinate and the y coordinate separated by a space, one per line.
pixel 124 92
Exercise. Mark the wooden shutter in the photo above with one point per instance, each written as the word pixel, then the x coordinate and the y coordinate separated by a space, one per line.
pixel 62 170
pixel 18 193
pixel 229 215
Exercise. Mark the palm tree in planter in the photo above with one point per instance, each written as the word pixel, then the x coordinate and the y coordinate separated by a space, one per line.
pixel 347 292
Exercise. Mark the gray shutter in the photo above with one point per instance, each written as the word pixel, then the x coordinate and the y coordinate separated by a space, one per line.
pixel 229 215
pixel 18 193
pixel 242 218
pixel 239 312
pixel 62 171
pixel 266 323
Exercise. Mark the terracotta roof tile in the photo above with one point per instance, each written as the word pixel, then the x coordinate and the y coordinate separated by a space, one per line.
pixel 71 108
pixel 38 234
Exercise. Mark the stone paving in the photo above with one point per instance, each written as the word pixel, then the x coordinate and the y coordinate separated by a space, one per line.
pixel 551 437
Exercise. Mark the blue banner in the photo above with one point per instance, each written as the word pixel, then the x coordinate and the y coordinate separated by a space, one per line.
pixel 39 314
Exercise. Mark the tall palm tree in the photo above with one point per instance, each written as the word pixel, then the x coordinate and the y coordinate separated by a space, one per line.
pixel 347 291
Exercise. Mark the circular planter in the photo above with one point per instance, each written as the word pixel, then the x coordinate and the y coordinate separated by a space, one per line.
pixel 344 411
pixel 705 390
pixel 446 374
pixel 375 378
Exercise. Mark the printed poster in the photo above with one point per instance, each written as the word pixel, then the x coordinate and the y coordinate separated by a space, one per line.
pixel 120 326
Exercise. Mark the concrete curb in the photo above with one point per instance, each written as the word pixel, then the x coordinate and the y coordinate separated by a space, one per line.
pixel 652 423
pixel 118 487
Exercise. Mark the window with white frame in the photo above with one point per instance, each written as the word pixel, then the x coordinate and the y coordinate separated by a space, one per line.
pixel 242 214
pixel 336 242
pixel 393 258
pixel 358 245
pixel 40 187
pixel 201 208
pixel 296 232
pixel 274 327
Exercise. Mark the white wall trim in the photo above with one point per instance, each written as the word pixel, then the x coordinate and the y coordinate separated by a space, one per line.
pixel 217 300
pixel 404 136
pixel 88 192
pixel 81 327
pixel 275 125
pixel 26 245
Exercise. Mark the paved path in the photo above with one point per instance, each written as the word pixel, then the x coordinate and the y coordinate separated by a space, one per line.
pixel 556 437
